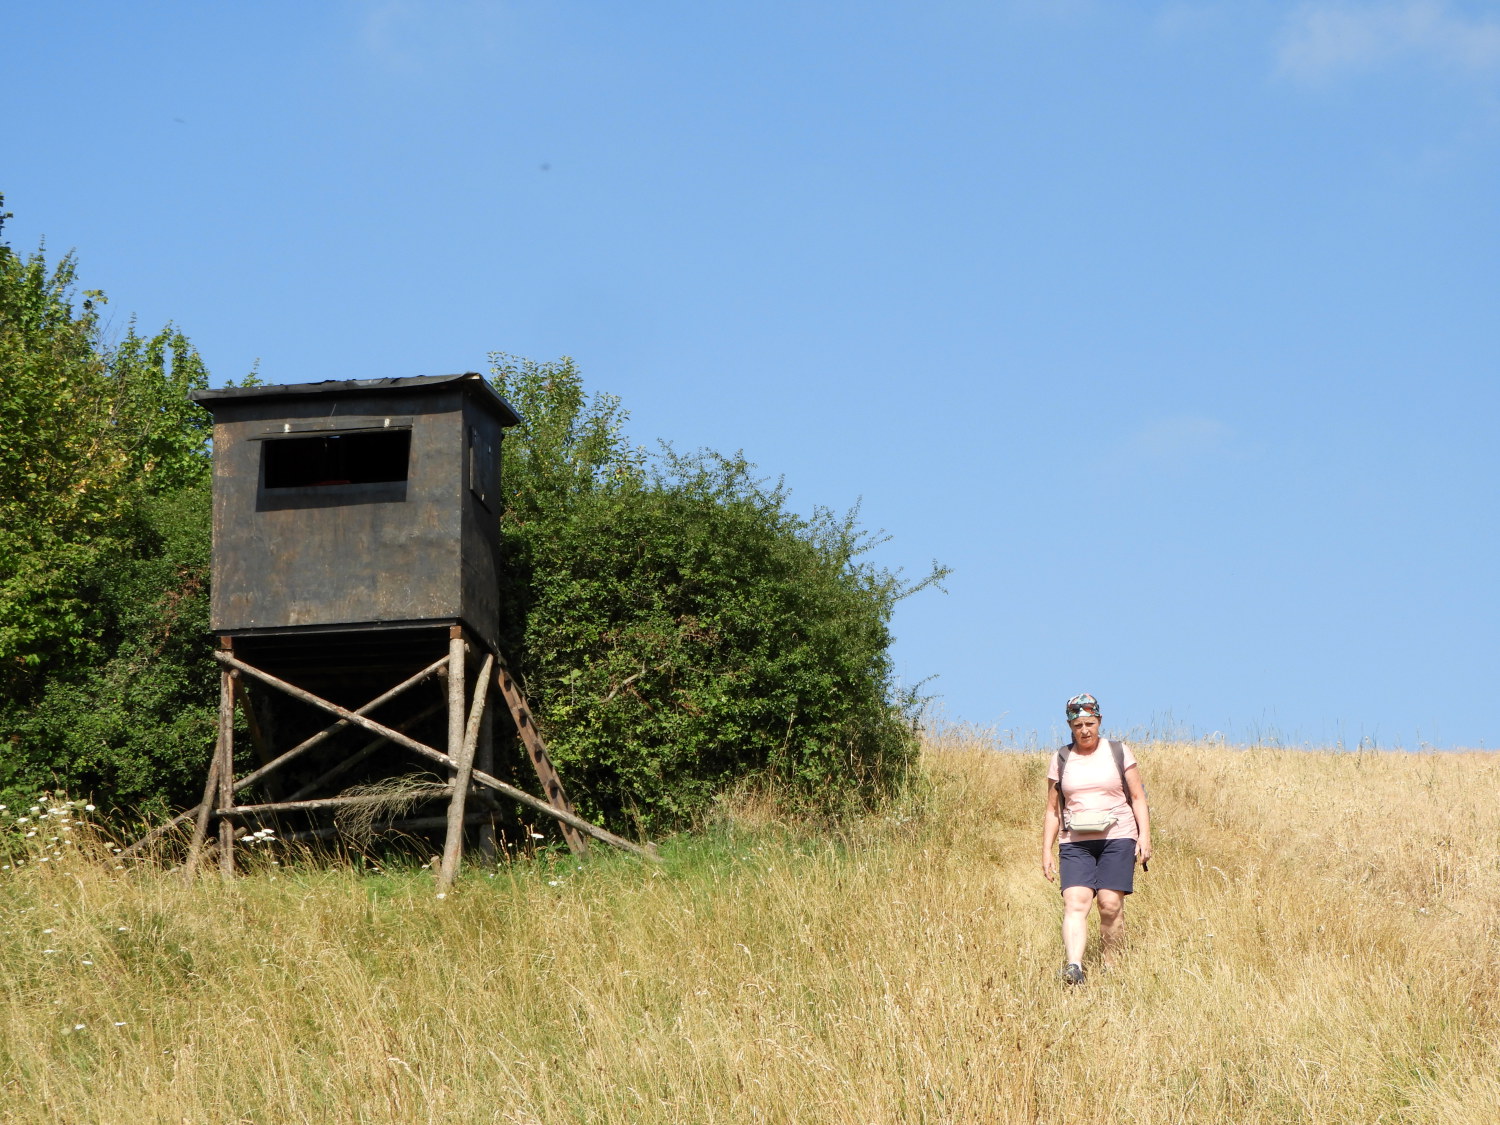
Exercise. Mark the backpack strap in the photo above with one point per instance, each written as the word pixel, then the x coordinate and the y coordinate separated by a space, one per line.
pixel 1116 750
pixel 1063 753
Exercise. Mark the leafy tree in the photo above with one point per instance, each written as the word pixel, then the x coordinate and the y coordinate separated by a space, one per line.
pixel 104 478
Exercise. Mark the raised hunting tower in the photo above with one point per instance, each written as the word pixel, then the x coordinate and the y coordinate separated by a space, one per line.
pixel 356 561
pixel 368 504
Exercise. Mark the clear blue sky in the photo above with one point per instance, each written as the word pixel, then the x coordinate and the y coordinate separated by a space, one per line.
pixel 1171 327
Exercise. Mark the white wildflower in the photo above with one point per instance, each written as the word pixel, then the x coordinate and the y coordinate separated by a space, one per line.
pixel 88 808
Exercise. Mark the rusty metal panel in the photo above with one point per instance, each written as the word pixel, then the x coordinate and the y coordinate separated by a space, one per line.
pixel 356 504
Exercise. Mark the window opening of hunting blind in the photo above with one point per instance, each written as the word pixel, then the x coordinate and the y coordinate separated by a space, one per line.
pixel 484 468
pixel 336 459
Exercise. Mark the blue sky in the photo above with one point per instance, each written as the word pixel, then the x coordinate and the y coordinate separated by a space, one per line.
pixel 1170 327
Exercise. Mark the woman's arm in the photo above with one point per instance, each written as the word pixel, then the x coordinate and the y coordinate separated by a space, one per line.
pixel 1050 824
pixel 1142 814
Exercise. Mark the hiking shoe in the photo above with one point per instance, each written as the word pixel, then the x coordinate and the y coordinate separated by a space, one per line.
pixel 1072 974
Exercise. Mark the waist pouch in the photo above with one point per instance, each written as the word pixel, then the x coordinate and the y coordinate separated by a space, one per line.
pixel 1090 822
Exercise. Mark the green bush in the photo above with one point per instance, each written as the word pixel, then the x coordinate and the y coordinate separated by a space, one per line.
pixel 132 723
pixel 680 629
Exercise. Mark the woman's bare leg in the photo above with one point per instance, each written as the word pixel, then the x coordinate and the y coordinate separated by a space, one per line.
pixel 1075 926
pixel 1111 923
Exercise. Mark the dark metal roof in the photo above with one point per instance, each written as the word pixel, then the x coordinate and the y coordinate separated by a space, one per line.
pixel 363 386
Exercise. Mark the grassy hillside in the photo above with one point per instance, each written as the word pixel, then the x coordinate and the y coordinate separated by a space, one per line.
pixel 1316 941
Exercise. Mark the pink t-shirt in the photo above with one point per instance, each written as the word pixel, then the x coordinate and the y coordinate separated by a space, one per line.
pixel 1092 784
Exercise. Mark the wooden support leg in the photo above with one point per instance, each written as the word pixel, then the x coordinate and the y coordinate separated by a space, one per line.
pixel 225 755
pixel 200 817
pixel 457 691
pixel 212 788
pixel 464 762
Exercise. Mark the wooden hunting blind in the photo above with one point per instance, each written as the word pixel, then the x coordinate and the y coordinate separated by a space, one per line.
pixel 356 562
pixel 357 505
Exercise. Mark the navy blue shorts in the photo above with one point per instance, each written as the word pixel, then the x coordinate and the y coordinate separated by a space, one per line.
pixel 1103 865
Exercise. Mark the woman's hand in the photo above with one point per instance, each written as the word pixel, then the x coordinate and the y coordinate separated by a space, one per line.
pixel 1143 851
pixel 1047 868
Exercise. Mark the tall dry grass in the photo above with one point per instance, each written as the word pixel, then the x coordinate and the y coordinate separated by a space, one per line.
pixel 1316 941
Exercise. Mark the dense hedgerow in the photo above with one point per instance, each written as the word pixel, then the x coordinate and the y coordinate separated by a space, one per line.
pixel 105 683
pixel 680 629
pixel 132 719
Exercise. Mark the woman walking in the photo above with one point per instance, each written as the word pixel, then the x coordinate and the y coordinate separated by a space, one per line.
pixel 1096 802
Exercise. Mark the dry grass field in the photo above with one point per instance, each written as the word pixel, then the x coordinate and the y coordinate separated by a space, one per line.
pixel 1316 942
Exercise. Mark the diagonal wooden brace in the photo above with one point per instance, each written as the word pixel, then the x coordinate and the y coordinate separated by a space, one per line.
pixel 439 757
pixel 333 773
pixel 276 763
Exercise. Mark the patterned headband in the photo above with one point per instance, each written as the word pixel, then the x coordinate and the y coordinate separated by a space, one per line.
pixel 1083 705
